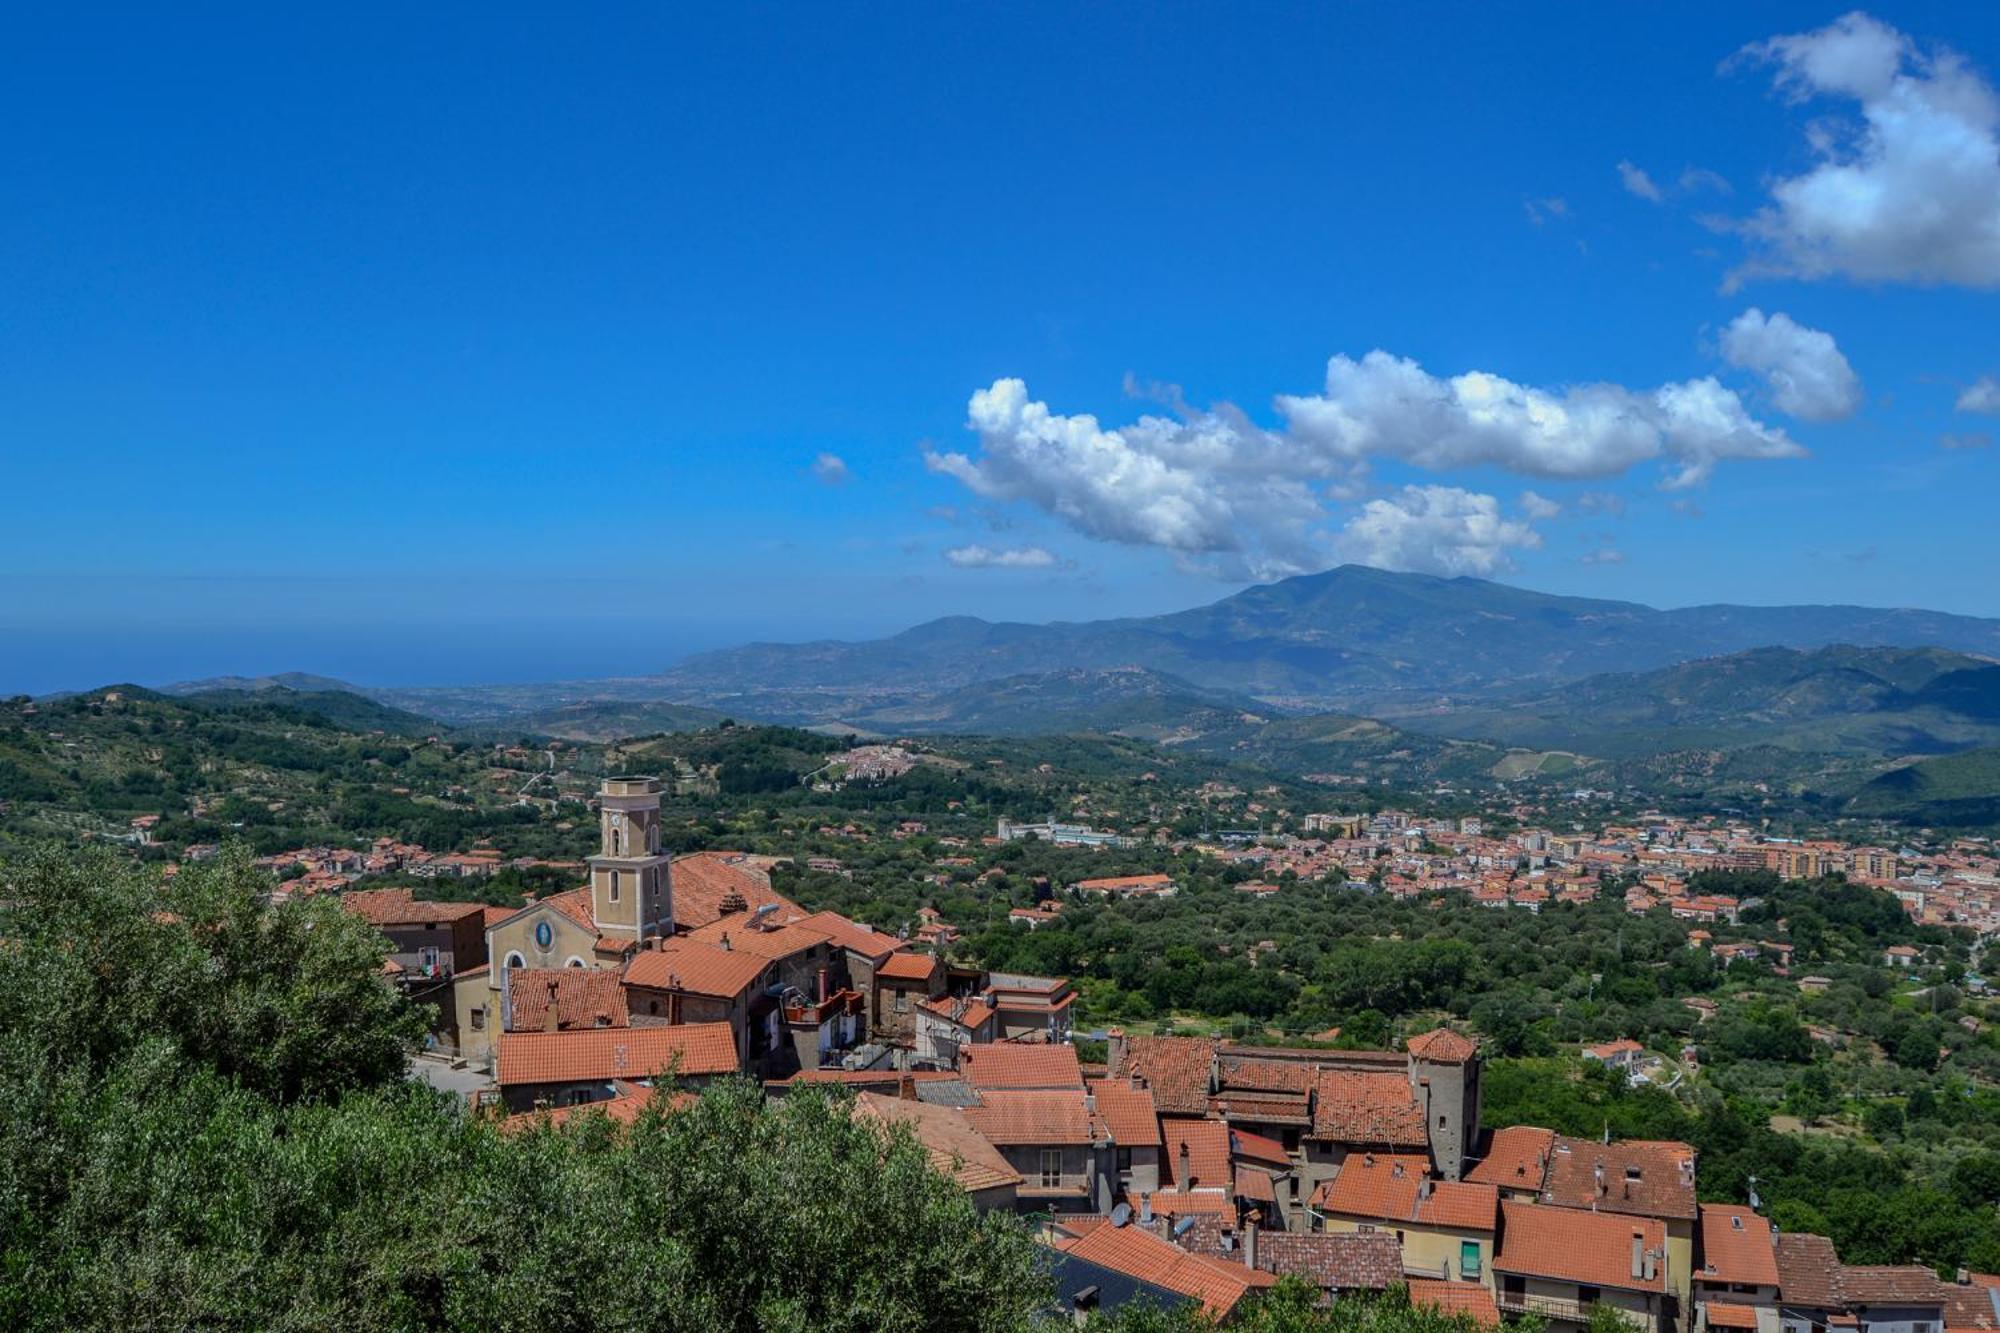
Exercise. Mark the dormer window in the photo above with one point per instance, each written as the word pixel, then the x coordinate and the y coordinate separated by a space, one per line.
pixel 1631 1174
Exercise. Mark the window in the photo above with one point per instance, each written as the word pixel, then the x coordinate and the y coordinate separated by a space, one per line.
pixel 1051 1168
pixel 1513 1284
pixel 1587 1295
pixel 478 1017
pixel 574 961
pixel 515 960
pixel 427 958
pixel 902 1002
pixel 1468 1260
pixel 1124 1166
pixel 614 886
pixel 1632 1173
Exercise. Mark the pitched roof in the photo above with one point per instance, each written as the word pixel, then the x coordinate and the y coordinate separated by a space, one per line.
pixel 1736 1246
pixel 697 968
pixel 956 1149
pixel 584 997
pixel 852 935
pixel 968 1014
pixel 1730 1314
pixel 1020 1065
pixel 1219 1286
pixel 397 907
pixel 1176 1069
pixel 1467 1298
pixel 1516 1158
pixel 1890 1284
pixel 1354 1261
pixel 1574 1245
pixel 1808 1270
pixel 1970 1305
pixel 1195 1155
pixel 1126 1112
pixel 1442 1046
pixel 623 1108
pixel 908 966
pixel 1025 1119
pixel 1649 1177
pixel 766 941
pixel 1396 1189
pixel 702 881
pixel 1354 1106
pixel 592 1054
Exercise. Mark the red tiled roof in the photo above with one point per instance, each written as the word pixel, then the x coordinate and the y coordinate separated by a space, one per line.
pixel 585 997
pixel 1242 1143
pixel 1351 1261
pixel 1663 1185
pixel 1442 1046
pixel 1516 1158
pixel 1195 1155
pixel 1728 1314
pixel 774 942
pixel 1027 1118
pixel 1736 1246
pixel 969 1014
pixel 1250 1074
pixel 1366 1107
pixel 592 1054
pixel 956 1149
pixel 696 968
pixel 852 935
pixel 1203 1202
pixel 1177 1069
pixel 1014 1065
pixel 1808 1271
pixel 397 907
pixel 1466 1298
pixel 1575 1245
pixel 1890 1284
pixel 1392 1189
pixel 1219 1286
pixel 1969 1305
pixel 1126 1112
pixel 703 880
pixel 907 966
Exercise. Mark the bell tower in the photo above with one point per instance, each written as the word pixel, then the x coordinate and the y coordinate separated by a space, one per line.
pixel 631 882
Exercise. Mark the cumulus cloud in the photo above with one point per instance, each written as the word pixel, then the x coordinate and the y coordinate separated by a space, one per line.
pixel 1807 375
pixel 1638 182
pixel 1911 193
pixel 831 469
pixel 1539 506
pixel 1234 497
pixel 1982 395
pixel 1005 557
pixel 1435 530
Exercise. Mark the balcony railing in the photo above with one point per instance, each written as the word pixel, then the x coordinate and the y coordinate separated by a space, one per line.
pixel 1564 1308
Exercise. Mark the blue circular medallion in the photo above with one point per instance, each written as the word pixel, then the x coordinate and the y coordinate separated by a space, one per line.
pixel 545 934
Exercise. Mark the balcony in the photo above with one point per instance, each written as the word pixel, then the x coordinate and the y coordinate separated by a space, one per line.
pixel 1564 1309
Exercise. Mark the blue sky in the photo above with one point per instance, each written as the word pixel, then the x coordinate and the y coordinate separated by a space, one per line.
pixel 480 344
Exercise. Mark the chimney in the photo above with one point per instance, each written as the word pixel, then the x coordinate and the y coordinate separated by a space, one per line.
pixel 822 985
pixel 906 1087
pixel 1186 1180
pixel 1115 1052
pixel 725 941
pixel 1145 1208
pixel 1250 1244
pixel 1598 1174
pixel 1424 1188
pixel 552 1021
pixel 1639 1254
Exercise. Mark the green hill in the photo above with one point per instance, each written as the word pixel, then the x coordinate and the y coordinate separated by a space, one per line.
pixel 1949 791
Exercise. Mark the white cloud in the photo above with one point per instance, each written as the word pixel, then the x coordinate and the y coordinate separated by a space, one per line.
pixel 1603 555
pixel 1982 395
pixel 1006 557
pixel 1609 503
pixel 1912 192
pixel 1552 209
pixel 1638 182
pixel 832 470
pixel 1696 179
pixel 1539 506
pixel 1975 439
pixel 1435 530
pixel 1236 498
pixel 1808 376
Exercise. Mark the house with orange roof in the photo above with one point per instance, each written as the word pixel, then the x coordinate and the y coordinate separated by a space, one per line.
pixel 537 1069
pixel 1737 1263
pixel 1030 1008
pixel 950 1023
pixel 1564 1263
pixel 1446 1227
pixel 955 1148
pixel 1137 1254
pixel 1474 1300
pixel 902 980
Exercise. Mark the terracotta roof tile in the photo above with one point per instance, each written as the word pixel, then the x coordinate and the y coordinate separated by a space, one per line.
pixel 1195 1155
pixel 591 1054
pixel 695 968
pixel 1365 1107
pixel 397 907
pixel 1126 1112
pixel 1353 1261
pixel 956 1149
pixel 1575 1245
pixel 1808 1271
pixel 1023 1119
pixel 1516 1158
pixel 1466 1298
pixel 1176 1069
pixel 1015 1065
pixel 1736 1246
pixel 774 942
pixel 704 881
pixel 584 997
pixel 1442 1046
pixel 1649 1177
pixel 908 966
pixel 1730 1314
pixel 1219 1286
pixel 1396 1189
pixel 1890 1284
pixel 852 935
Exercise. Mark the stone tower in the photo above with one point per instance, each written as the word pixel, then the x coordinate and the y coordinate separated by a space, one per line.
pixel 1444 1072
pixel 631 882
